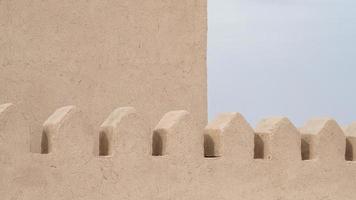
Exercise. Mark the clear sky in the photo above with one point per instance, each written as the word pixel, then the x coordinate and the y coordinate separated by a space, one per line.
pixel 294 58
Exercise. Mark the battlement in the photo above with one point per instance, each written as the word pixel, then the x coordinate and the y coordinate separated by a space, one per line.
pixel 229 135
pixel 176 159
pixel 150 55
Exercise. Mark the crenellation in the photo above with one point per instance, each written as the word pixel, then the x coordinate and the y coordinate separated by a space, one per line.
pixel 177 135
pixel 326 140
pixel 51 128
pixel 136 158
pixel 123 133
pixel 229 135
pixel 278 139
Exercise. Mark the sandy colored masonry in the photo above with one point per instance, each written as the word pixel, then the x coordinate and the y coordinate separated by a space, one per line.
pixel 99 55
pixel 176 159
pixel 106 100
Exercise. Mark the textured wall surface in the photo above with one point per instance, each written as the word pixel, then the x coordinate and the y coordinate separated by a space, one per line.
pixel 273 161
pixel 100 55
pixel 68 67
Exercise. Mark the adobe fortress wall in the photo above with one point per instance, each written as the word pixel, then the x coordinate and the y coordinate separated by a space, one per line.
pixel 103 54
pixel 149 55
pixel 176 159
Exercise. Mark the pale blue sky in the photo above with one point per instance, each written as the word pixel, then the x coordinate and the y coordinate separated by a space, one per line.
pixel 294 58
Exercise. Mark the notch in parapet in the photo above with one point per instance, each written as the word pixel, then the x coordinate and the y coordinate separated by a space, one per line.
pixel 277 139
pixel 177 135
pixel 123 132
pixel 350 132
pixel 322 139
pixel 229 135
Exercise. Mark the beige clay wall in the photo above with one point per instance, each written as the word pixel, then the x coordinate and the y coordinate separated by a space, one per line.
pixel 273 161
pixel 70 68
pixel 100 55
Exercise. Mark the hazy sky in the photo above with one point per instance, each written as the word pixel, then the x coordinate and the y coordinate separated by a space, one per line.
pixel 294 58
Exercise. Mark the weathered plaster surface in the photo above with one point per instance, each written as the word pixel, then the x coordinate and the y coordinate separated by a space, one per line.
pixel 100 55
